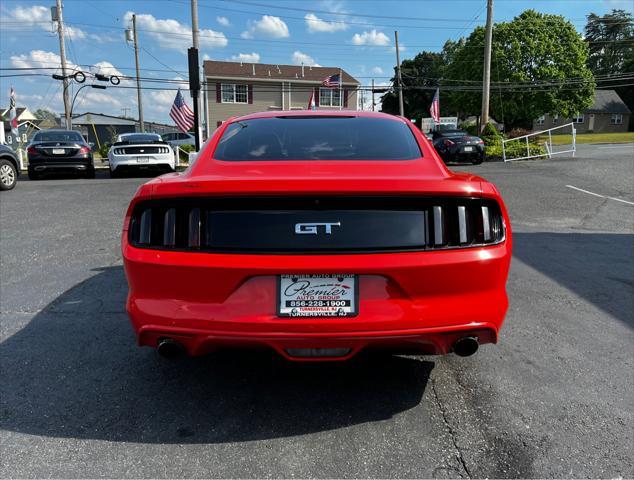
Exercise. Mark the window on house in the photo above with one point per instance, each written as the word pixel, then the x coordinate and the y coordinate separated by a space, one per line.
pixel 578 118
pixel 541 120
pixel 616 119
pixel 555 119
pixel 329 97
pixel 232 93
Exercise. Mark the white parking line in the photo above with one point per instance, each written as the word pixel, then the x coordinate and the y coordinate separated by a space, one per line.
pixel 600 196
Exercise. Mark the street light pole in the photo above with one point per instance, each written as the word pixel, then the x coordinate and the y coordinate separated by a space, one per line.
pixel 62 54
pixel 401 109
pixel 194 70
pixel 486 77
pixel 138 74
pixel 72 105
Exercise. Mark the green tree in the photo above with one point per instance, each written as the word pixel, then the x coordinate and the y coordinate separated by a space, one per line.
pixel 44 114
pixel 423 71
pixel 538 66
pixel 610 41
pixel 611 45
pixel 421 76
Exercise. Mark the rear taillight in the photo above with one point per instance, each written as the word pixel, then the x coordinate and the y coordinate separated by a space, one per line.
pixel 187 224
pixel 32 151
pixel 447 143
pixel 84 150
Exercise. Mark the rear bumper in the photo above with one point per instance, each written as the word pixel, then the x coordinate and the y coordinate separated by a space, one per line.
pixel 132 162
pixel 416 301
pixel 70 164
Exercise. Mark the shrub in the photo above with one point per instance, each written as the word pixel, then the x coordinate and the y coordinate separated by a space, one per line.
pixel 470 127
pixel 187 148
pixel 490 135
pixel 513 150
pixel 103 150
pixel 518 132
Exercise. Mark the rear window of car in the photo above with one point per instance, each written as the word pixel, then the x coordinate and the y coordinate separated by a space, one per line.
pixel 58 137
pixel 317 138
pixel 140 138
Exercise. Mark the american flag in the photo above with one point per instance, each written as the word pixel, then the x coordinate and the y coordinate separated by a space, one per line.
pixel 332 81
pixel 434 109
pixel 181 113
pixel 13 120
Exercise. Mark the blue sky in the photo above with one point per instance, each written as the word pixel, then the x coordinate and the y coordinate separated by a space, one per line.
pixel 356 35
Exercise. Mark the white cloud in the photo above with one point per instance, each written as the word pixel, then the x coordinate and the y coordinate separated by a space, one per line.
pixel 377 70
pixel 30 15
pixel 39 59
pixel 247 57
pixel 267 26
pixel 106 68
pixel 174 35
pixel 73 33
pixel 106 38
pixel 206 57
pixel 224 21
pixel 372 37
pixel 316 24
pixel 299 57
pixel 94 98
pixel 38 16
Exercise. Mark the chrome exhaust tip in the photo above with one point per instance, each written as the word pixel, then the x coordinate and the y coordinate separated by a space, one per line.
pixel 170 349
pixel 466 346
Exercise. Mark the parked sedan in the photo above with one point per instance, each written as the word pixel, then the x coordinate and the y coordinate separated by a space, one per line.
pixel 140 151
pixel 179 138
pixel 9 168
pixel 458 146
pixel 59 151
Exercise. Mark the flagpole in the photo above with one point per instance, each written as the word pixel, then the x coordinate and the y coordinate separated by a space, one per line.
pixel 340 91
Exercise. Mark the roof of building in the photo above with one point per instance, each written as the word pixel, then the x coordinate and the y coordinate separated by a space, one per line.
pixel 19 111
pixel 607 101
pixel 266 71
pixel 101 119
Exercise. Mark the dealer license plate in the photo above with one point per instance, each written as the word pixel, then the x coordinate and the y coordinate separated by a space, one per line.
pixel 317 295
pixel 59 151
pixel 142 159
pixel 468 149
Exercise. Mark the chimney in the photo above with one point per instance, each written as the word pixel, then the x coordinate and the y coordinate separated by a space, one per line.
pixel 302 69
pixel 269 73
pixel 254 69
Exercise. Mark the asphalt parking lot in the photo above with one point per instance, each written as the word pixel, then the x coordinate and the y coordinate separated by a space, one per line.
pixel 553 399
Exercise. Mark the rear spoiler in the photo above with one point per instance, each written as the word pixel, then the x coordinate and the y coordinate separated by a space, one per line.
pixel 150 142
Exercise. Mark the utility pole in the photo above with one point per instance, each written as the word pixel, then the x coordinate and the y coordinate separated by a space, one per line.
pixel 373 104
pixel 62 54
pixel 195 87
pixel 138 73
pixel 125 111
pixel 401 109
pixel 486 79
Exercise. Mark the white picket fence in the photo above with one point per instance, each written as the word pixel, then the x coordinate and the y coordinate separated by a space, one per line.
pixel 548 144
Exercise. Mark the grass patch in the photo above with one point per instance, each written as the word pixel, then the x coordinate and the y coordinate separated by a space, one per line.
pixel 621 137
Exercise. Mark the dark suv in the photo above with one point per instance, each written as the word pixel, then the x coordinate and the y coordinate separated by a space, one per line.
pixel 59 151
pixel 9 168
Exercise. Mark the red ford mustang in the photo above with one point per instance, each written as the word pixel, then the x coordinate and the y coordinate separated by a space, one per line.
pixel 317 235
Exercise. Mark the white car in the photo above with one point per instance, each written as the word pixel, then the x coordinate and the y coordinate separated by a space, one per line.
pixel 140 151
pixel 179 138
